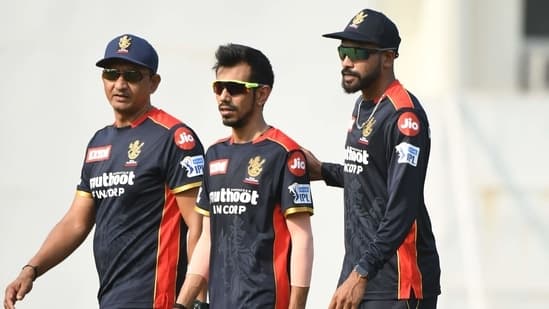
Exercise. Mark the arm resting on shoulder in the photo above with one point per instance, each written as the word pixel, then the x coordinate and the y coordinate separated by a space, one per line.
pixel 331 173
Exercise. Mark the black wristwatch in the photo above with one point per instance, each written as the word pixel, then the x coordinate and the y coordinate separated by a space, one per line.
pixel 362 273
pixel 179 306
pixel 200 305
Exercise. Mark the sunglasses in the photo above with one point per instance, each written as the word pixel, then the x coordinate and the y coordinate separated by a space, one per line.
pixel 129 76
pixel 358 53
pixel 234 87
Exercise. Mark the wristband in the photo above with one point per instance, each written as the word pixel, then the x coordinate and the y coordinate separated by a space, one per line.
pixel 200 305
pixel 179 306
pixel 34 271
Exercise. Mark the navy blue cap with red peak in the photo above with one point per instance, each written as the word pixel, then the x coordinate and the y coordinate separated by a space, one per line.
pixel 133 49
pixel 370 26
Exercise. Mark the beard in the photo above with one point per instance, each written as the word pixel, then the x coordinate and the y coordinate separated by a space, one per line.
pixel 239 120
pixel 362 82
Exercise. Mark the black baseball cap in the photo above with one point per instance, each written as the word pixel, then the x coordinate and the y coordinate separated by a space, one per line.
pixel 370 26
pixel 131 48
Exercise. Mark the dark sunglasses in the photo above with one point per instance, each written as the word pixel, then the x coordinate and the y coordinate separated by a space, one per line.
pixel 129 76
pixel 234 87
pixel 358 53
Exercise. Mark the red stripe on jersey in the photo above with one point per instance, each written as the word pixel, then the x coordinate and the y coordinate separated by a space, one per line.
pixel 398 95
pixel 281 247
pixel 279 137
pixel 159 116
pixel 168 254
pixel 409 275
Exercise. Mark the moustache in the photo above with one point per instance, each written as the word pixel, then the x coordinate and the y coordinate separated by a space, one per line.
pixel 226 105
pixel 349 72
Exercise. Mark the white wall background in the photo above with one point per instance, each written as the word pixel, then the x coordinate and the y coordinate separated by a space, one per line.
pixel 487 192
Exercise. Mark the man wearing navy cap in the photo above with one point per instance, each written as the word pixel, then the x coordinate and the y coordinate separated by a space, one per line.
pixel 391 260
pixel 140 177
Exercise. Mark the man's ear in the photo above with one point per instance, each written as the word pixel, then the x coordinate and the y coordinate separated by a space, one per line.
pixel 388 59
pixel 262 94
pixel 155 81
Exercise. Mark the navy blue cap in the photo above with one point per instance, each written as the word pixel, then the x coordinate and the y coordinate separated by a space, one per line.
pixel 370 26
pixel 131 48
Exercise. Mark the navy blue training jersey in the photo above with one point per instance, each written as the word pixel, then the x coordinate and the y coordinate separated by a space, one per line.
pixel 247 192
pixel 387 228
pixel 132 174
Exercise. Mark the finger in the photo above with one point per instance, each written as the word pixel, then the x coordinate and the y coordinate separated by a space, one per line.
pixel 332 303
pixel 9 303
pixel 9 298
pixel 23 290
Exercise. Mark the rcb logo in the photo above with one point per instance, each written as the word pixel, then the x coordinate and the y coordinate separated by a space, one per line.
pixel 134 149
pixel 255 166
pixel 368 127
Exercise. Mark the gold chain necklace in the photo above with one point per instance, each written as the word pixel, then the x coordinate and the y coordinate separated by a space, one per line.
pixel 357 121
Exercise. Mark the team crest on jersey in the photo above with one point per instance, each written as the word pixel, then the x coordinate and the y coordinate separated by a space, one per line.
pixel 134 150
pixel 193 165
pixel 184 139
pixel 123 44
pixel 367 129
pixel 301 193
pixel 407 153
pixel 255 167
pixel 96 154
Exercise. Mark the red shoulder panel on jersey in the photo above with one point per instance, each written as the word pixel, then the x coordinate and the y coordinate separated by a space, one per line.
pixel 160 117
pixel 279 137
pixel 398 96
pixel 221 140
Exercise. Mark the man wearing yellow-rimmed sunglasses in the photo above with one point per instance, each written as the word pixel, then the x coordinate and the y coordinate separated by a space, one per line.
pixel 256 246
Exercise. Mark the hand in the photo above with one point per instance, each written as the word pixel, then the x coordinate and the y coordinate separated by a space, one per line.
pixel 349 294
pixel 18 289
pixel 313 165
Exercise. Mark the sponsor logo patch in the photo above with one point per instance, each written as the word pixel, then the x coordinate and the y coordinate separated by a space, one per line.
pixel 408 124
pixel 96 154
pixel 111 184
pixel 218 167
pixel 194 165
pixel 407 153
pixel 184 139
pixel 229 201
pixel 301 193
pixel 296 164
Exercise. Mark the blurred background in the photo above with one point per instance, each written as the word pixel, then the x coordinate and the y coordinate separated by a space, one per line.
pixel 480 68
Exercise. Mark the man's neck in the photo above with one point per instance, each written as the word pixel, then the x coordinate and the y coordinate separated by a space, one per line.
pixel 126 119
pixel 248 134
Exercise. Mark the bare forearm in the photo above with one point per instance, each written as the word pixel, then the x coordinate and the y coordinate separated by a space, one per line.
pixel 192 287
pixel 195 283
pixel 298 297
pixel 63 239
